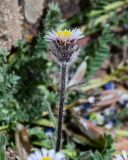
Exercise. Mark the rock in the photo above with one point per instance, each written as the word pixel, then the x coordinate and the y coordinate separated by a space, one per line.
pixel 33 10
pixel 10 23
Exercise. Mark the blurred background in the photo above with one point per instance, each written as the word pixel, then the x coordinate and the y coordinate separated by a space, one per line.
pixel 29 78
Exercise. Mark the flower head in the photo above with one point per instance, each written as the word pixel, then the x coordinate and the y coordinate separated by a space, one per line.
pixel 44 154
pixel 124 156
pixel 64 36
pixel 64 44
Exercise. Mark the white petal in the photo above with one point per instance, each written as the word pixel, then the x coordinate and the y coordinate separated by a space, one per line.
pixel 50 36
pixel 59 156
pixel 124 154
pixel 38 154
pixel 32 157
pixel 118 157
pixel 51 153
pixel 44 152
pixel 76 31
pixel 76 34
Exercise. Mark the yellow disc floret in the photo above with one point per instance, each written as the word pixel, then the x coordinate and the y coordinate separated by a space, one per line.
pixel 64 34
pixel 46 158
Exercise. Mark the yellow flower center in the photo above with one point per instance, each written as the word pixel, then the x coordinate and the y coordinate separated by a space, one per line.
pixel 65 33
pixel 46 158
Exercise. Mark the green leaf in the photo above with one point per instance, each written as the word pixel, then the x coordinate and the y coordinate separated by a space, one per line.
pixel 98 52
pixel 2 154
pixel 2 140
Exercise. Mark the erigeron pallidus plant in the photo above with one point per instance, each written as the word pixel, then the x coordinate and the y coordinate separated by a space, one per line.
pixel 65 49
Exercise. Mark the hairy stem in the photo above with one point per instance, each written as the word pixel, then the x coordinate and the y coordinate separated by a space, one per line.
pixel 61 107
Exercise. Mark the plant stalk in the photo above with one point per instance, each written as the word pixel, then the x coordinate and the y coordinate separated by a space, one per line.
pixel 61 107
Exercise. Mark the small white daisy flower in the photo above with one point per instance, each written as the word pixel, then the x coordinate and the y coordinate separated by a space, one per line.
pixel 64 36
pixel 124 156
pixel 44 154
pixel 64 44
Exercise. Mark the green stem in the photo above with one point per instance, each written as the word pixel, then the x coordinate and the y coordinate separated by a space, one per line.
pixel 61 107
